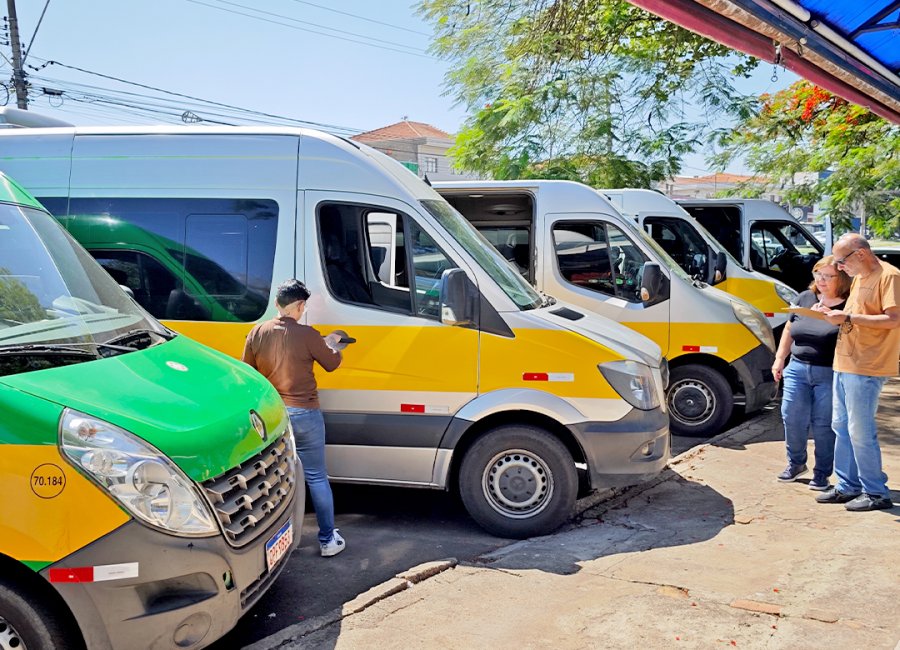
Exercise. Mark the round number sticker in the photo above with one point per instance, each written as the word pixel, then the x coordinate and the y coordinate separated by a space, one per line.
pixel 48 480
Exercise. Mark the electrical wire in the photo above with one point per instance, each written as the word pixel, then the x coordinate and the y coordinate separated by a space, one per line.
pixel 303 29
pixel 371 20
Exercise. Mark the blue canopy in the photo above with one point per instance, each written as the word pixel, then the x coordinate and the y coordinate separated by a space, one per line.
pixel 872 25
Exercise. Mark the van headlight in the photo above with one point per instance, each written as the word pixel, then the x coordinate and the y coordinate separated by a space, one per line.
pixel 753 320
pixel 786 293
pixel 633 381
pixel 140 478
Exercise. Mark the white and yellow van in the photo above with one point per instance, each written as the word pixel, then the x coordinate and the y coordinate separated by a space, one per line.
pixel 762 235
pixel 701 256
pixel 462 375
pixel 570 242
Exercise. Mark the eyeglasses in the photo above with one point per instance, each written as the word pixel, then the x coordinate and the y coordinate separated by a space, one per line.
pixel 825 276
pixel 846 257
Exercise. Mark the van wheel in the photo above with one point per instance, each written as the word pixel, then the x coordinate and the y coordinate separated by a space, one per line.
pixel 27 623
pixel 700 401
pixel 518 481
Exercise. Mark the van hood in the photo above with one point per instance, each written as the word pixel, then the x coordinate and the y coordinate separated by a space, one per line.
pixel 615 336
pixel 189 401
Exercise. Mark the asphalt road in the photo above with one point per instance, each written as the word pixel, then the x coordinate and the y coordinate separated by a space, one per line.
pixel 388 530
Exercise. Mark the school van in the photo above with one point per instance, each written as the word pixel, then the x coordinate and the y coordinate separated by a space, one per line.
pixel 462 375
pixel 153 491
pixel 761 235
pixel 569 242
pixel 699 254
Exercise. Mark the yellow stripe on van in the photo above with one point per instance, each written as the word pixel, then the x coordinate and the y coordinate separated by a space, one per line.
pixel 759 293
pixel 505 362
pixel 409 358
pixel 46 519
pixel 730 340
pixel 225 337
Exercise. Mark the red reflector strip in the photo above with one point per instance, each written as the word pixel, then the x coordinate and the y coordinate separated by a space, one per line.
pixel 535 376
pixel 690 348
pixel 770 314
pixel 412 408
pixel 79 574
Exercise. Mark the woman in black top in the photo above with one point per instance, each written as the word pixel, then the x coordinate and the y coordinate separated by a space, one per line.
pixel 806 400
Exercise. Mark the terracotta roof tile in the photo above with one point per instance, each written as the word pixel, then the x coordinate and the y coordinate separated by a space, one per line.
pixel 403 130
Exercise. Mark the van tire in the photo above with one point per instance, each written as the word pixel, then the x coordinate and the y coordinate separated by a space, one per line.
pixel 518 481
pixel 26 616
pixel 699 400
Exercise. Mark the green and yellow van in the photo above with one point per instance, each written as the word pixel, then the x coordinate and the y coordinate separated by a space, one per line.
pixel 152 483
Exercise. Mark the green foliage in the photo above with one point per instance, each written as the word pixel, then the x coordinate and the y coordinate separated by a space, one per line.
pixel 17 303
pixel 807 129
pixel 594 90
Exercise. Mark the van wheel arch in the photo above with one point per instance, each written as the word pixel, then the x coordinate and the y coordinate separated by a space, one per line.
pixel 35 610
pixel 698 383
pixel 518 480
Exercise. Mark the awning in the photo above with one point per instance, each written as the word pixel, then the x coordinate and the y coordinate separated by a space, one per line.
pixel 850 47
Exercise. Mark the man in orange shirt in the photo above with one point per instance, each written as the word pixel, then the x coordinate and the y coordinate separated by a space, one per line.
pixel 867 354
pixel 284 351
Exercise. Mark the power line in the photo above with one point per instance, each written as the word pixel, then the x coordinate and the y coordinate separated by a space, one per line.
pixel 199 99
pixel 331 29
pixel 312 31
pixel 371 20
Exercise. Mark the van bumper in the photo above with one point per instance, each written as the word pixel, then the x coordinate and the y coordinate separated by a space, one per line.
pixel 182 596
pixel 754 371
pixel 627 451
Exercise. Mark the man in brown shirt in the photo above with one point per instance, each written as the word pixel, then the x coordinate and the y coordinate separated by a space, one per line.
pixel 867 354
pixel 284 351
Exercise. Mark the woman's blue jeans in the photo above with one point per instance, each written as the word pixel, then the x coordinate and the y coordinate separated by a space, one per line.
pixel 805 405
pixel 857 454
pixel 309 433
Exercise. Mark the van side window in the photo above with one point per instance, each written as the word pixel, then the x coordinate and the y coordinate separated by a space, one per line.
pixel 599 257
pixel 512 242
pixel 682 242
pixel 723 223
pixel 372 256
pixel 197 259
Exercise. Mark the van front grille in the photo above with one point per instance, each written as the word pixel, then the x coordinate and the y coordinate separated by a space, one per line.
pixel 256 492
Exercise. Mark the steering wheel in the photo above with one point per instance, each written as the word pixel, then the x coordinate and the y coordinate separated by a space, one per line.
pixel 785 255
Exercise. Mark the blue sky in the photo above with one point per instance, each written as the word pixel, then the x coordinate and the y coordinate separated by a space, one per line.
pixel 297 60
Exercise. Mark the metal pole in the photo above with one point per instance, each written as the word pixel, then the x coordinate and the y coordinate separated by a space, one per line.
pixel 18 73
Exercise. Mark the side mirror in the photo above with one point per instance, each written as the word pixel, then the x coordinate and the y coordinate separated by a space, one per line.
pixel 721 265
pixel 654 285
pixel 458 298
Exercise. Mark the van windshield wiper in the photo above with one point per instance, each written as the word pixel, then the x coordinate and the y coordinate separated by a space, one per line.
pixel 46 348
pixel 141 332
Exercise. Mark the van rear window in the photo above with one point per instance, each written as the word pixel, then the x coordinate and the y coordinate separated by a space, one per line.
pixel 184 259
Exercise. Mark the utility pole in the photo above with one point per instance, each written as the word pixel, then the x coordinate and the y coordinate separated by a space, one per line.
pixel 18 73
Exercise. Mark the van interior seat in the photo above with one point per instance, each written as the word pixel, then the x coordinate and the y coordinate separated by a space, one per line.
pixel 344 272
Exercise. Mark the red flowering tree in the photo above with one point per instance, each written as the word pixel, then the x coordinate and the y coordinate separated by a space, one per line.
pixel 804 128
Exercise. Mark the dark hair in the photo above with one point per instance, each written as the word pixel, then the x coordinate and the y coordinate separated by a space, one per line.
pixel 290 291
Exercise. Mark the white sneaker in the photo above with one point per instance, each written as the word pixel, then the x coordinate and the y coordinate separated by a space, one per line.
pixel 333 546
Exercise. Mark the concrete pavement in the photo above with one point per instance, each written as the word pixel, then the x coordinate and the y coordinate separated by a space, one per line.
pixel 714 553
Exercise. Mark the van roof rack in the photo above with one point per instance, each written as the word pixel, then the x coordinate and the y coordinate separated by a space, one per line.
pixel 16 117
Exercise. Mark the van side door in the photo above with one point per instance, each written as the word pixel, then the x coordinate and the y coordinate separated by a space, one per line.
pixel 374 267
pixel 596 263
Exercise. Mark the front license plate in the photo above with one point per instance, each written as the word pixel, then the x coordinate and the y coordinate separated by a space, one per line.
pixel 279 544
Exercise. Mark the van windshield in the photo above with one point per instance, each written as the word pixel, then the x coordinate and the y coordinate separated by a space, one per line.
pixel 57 305
pixel 475 244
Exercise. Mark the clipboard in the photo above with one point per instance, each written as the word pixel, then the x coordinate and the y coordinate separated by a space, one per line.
pixel 806 311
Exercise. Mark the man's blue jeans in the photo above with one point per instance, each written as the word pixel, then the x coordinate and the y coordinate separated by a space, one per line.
pixel 857 455
pixel 309 433
pixel 805 404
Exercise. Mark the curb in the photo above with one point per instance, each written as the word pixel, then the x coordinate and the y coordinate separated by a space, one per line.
pixel 400 582
pixel 591 507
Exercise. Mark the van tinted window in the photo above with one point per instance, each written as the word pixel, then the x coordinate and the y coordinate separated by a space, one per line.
pixel 599 257
pixel 184 259
pixel 374 257
pixel 723 223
